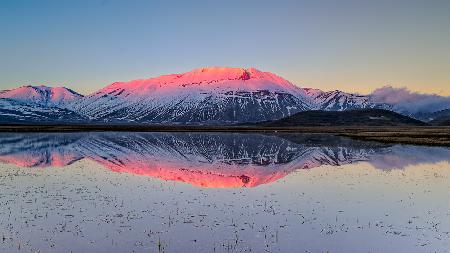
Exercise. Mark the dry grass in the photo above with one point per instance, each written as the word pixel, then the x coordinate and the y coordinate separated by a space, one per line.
pixel 418 135
pixel 436 136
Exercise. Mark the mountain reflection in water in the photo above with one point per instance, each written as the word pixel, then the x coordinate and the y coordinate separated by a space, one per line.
pixel 216 160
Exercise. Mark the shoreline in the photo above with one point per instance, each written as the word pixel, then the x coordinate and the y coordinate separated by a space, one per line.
pixel 444 130
pixel 414 135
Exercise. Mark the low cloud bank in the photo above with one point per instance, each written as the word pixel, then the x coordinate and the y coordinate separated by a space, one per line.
pixel 413 102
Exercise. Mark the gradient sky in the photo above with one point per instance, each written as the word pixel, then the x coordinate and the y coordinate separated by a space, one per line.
pixel 355 46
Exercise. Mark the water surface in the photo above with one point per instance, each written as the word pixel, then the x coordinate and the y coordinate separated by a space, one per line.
pixel 220 192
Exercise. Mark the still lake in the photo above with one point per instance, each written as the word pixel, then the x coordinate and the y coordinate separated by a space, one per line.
pixel 220 192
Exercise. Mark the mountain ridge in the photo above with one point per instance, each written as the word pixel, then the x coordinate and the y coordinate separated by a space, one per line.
pixel 42 95
pixel 213 95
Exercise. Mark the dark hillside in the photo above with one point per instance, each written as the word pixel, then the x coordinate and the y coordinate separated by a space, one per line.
pixel 360 117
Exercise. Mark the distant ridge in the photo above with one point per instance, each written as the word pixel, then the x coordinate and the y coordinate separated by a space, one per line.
pixel 355 117
pixel 441 121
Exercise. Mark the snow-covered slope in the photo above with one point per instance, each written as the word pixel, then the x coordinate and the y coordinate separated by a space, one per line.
pixel 339 100
pixel 208 95
pixel 13 111
pixel 42 95
pixel 214 95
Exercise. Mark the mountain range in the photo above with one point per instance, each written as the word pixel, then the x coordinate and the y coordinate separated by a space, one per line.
pixel 214 95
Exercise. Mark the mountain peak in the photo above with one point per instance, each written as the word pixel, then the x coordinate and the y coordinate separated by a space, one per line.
pixel 209 94
pixel 217 74
pixel 219 79
pixel 41 94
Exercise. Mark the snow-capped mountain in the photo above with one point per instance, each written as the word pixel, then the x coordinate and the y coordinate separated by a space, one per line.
pixel 339 101
pixel 208 95
pixel 42 95
pixel 17 112
pixel 214 95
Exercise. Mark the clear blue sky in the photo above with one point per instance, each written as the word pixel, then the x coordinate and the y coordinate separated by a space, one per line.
pixel 349 45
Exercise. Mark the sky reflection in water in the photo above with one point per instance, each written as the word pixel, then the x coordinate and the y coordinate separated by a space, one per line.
pixel 282 193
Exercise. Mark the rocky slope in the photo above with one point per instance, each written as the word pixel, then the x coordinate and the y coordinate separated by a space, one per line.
pixel 17 112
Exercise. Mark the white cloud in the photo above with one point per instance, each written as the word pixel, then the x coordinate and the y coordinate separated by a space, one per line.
pixel 405 100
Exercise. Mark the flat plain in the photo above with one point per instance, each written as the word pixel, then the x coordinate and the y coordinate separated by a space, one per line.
pixel 417 135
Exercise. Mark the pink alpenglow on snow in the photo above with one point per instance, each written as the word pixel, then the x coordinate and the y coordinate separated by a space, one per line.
pixel 215 94
pixel 211 78
pixel 42 95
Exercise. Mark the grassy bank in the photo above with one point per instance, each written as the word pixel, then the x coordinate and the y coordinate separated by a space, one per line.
pixel 417 135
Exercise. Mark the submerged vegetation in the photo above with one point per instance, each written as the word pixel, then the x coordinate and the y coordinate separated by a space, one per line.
pixel 84 208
